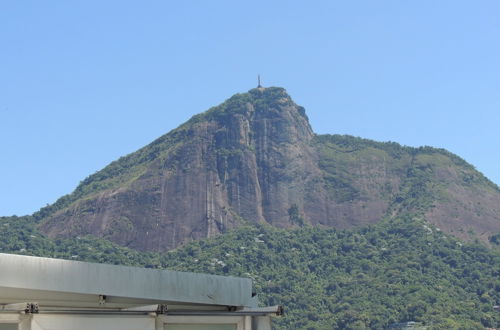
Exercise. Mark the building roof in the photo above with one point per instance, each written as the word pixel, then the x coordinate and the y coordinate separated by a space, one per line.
pixel 56 282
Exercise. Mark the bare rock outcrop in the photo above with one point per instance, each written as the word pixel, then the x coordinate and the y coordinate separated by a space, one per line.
pixel 255 159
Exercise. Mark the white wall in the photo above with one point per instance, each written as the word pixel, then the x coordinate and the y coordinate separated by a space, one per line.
pixel 84 322
pixel 126 322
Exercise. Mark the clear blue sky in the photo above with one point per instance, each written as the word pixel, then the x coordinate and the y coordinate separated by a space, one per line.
pixel 85 82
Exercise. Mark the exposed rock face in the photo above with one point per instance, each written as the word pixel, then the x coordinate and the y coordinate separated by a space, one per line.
pixel 255 158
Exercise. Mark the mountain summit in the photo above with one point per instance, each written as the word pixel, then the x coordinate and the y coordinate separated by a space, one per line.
pixel 255 158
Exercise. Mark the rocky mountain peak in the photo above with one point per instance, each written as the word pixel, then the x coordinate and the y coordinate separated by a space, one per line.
pixel 255 159
pixel 239 161
pixel 271 107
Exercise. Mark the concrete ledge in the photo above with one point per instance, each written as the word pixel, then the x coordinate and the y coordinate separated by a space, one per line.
pixel 74 283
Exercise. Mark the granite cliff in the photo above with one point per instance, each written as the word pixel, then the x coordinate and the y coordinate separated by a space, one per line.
pixel 255 158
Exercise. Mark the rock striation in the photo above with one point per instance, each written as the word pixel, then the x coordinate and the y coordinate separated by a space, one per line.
pixel 255 159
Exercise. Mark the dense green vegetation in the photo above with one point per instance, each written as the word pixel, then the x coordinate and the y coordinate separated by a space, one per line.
pixel 400 270
pixel 19 235
pixel 397 270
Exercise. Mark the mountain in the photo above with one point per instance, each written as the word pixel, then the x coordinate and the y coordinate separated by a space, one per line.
pixel 346 233
pixel 255 159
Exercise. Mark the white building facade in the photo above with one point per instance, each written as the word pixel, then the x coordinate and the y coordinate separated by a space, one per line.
pixel 53 294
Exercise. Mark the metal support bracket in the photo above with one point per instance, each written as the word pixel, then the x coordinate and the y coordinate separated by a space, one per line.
pixel 162 309
pixel 31 308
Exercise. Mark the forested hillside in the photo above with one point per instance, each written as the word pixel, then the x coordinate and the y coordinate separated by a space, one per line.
pixel 345 232
pixel 394 271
